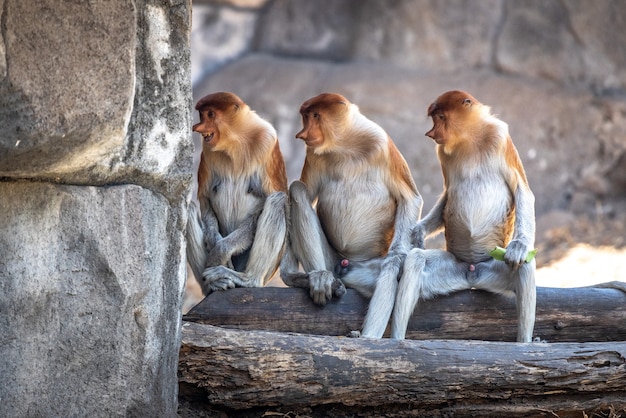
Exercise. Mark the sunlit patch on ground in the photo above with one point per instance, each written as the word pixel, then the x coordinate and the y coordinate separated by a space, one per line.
pixel 584 265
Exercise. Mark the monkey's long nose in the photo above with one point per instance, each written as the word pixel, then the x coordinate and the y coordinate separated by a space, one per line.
pixel 431 133
pixel 301 135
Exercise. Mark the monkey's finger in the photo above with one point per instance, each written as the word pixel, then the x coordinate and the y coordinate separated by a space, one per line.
pixel 319 298
pixel 514 255
pixel 513 264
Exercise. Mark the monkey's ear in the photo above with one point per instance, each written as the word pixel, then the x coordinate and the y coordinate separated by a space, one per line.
pixel 467 102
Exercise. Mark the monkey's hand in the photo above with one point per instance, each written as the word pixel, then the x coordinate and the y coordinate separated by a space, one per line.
pixel 217 278
pixel 323 285
pixel 221 254
pixel 235 243
pixel 218 255
pixel 516 253
pixel 418 236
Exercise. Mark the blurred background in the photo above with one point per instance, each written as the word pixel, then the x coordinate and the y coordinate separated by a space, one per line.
pixel 555 71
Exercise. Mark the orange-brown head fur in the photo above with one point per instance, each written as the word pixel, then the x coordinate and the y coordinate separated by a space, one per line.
pixel 322 115
pixel 217 112
pixel 458 120
pixel 237 142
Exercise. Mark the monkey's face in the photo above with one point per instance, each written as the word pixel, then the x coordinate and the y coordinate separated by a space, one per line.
pixel 323 118
pixel 208 127
pixel 311 132
pixel 438 131
pixel 217 112
pixel 450 112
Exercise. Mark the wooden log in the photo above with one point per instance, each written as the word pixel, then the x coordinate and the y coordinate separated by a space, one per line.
pixel 563 315
pixel 360 377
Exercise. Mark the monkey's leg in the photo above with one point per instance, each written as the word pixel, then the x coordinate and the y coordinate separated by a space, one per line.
pixel 269 242
pixel 311 248
pixel 289 269
pixel 235 243
pixel 196 250
pixel 498 277
pixel 386 283
pixel 382 302
pixel 426 273
pixel 409 289
pixel 526 301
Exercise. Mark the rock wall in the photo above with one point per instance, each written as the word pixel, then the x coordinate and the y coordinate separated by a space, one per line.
pixel 95 169
pixel 554 71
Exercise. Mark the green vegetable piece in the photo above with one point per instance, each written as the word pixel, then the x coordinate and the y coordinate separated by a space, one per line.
pixel 531 254
pixel 498 254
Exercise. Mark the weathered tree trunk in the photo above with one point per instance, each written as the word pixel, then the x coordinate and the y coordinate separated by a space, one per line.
pixel 293 372
pixel 563 315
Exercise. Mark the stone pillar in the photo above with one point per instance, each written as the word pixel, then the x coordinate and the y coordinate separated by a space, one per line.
pixel 95 172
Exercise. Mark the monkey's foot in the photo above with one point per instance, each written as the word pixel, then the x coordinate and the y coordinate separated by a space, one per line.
pixel 216 285
pixel 218 278
pixel 297 279
pixel 323 285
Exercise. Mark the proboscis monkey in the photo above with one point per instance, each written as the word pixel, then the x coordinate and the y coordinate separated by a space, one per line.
pixel 237 237
pixel 486 202
pixel 352 210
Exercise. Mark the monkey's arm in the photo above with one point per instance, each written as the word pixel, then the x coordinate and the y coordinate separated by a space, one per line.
pixel 234 243
pixel 524 234
pixel 300 195
pixel 238 241
pixel 210 227
pixel 306 245
pixel 407 213
pixel 430 224
pixel 410 202
pixel 196 249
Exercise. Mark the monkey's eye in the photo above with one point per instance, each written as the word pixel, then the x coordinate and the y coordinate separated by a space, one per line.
pixel 316 115
pixel 467 102
pixel 440 116
pixel 210 114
